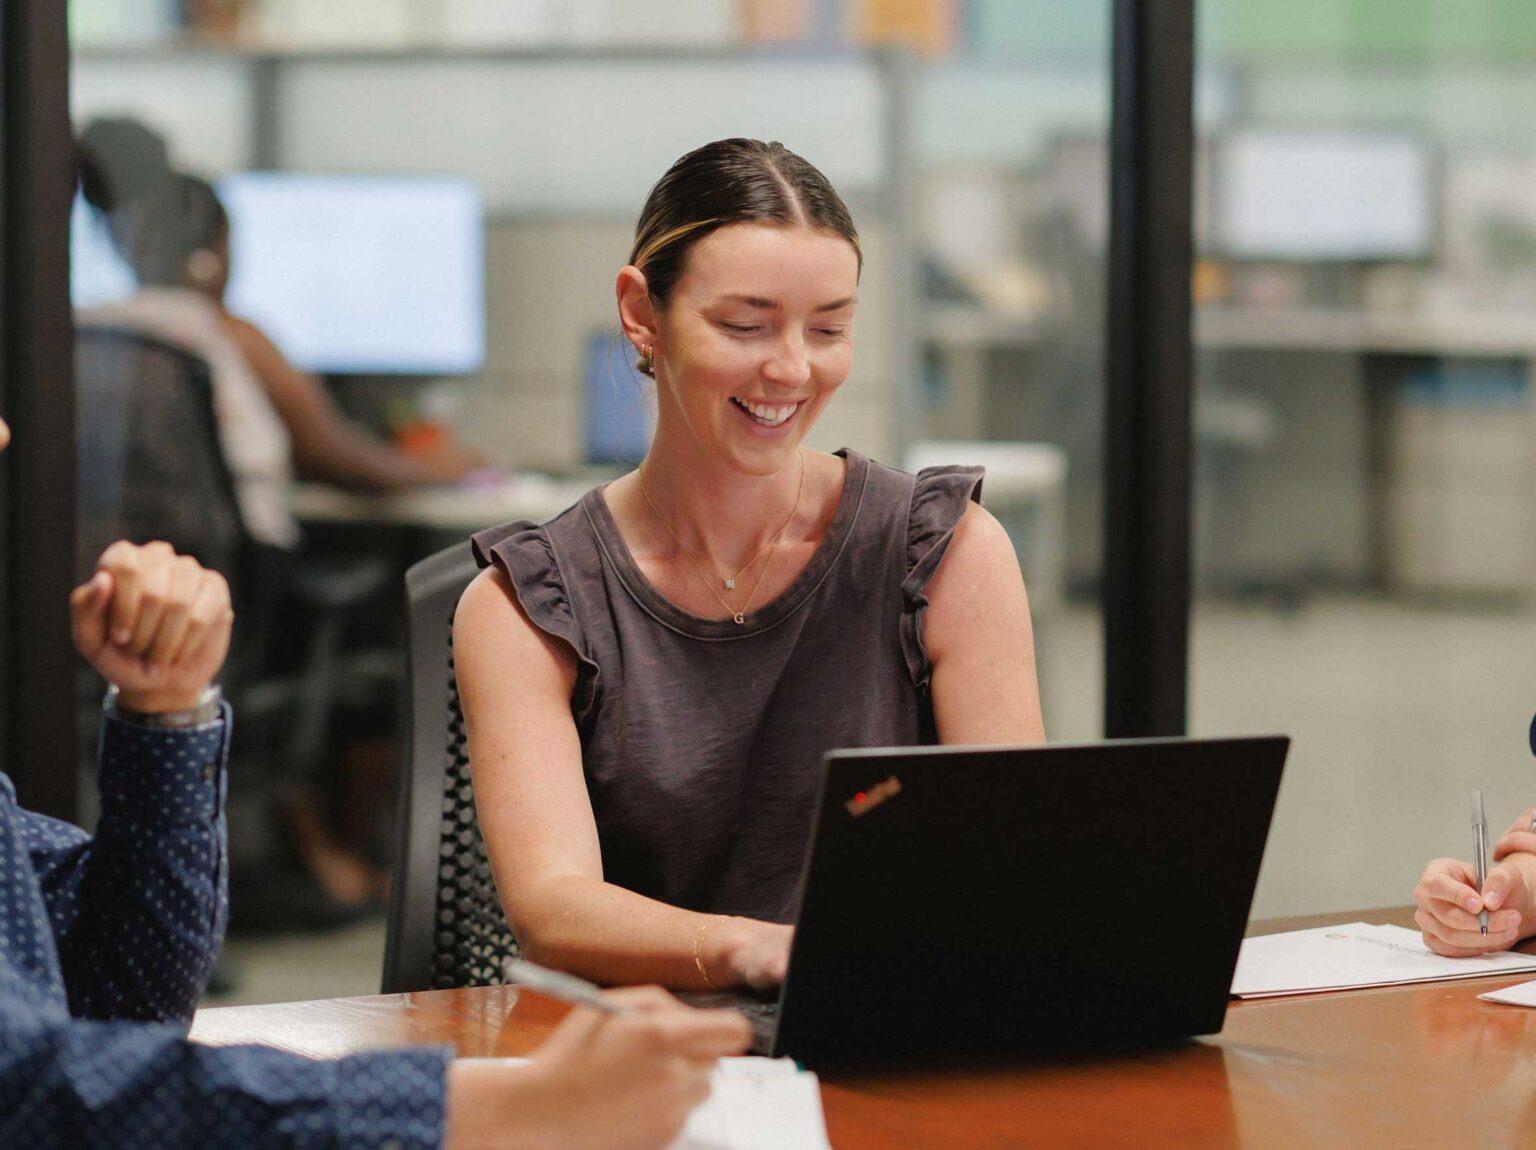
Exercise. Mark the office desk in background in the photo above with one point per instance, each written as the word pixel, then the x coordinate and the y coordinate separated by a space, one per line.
pixel 1441 500
pixel 457 508
pixel 1410 1066
pixel 1030 489
pixel 1473 333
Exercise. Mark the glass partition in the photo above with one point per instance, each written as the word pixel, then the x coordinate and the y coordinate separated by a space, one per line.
pixel 1365 512
pixel 969 139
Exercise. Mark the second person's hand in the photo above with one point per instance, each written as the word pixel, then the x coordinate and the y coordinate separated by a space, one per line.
pixel 1520 838
pixel 154 624
pixel 1448 904
pixel 620 1081
pixel 1516 852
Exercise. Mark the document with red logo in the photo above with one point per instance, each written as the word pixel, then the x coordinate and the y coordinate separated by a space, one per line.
pixel 1353 956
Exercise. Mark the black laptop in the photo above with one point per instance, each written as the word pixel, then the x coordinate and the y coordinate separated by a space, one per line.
pixel 969 904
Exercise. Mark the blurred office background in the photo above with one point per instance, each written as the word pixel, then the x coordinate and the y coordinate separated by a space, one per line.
pixel 1365 321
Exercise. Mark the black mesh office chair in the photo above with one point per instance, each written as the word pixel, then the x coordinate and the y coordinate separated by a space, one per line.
pixel 150 462
pixel 446 926
pixel 151 465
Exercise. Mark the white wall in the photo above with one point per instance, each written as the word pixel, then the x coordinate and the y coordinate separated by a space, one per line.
pixel 542 136
pixel 561 137
pixel 203 104
pixel 349 23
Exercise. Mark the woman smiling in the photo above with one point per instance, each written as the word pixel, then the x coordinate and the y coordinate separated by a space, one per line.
pixel 650 679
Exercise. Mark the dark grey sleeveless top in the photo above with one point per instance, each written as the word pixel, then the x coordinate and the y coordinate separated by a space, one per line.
pixel 702 739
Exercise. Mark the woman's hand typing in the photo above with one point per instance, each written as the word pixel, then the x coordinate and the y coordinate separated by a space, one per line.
pixel 746 952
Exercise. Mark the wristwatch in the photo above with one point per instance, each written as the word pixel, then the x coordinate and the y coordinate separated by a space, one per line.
pixel 205 710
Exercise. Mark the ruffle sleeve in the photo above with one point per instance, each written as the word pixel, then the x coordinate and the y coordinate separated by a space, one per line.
pixel 939 498
pixel 524 553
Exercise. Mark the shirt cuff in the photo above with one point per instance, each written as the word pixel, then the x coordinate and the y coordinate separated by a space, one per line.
pixel 394 1099
pixel 170 777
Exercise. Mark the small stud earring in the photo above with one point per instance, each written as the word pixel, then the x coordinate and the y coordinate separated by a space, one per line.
pixel 645 350
pixel 204 265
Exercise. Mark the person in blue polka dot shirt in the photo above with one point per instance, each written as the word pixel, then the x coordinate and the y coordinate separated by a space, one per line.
pixel 106 943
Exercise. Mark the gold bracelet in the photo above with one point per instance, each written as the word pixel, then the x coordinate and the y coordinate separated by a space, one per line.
pixel 698 948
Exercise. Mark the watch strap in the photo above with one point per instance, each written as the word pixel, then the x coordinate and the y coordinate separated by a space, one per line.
pixel 204 711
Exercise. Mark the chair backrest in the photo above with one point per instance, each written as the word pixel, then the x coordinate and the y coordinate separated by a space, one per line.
pixel 151 464
pixel 446 926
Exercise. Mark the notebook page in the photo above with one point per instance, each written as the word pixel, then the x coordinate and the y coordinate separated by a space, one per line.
pixel 1354 955
pixel 758 1104
pixel 754 1104
pixel 1521 994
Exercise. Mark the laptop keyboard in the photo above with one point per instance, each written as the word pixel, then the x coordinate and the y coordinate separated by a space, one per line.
pixel 762 1013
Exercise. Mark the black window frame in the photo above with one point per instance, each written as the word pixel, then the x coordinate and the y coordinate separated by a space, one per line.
pixel 37 472
pixel 1147 425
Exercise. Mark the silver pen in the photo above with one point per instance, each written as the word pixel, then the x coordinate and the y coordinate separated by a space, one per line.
pixel 1480 852
pixel 558 984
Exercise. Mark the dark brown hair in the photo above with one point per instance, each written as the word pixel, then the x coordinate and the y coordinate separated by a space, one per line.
pixel 158 233
pixel 157 217
pixel 729 182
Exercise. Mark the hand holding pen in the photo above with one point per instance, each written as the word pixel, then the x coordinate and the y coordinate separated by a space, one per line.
pixel 623 1075
pixel 1466 908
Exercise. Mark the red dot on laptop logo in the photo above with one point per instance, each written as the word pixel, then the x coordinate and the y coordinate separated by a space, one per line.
pixel 865 801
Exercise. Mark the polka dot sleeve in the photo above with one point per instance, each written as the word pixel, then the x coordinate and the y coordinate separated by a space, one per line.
pixel 138 911
pixel 123 926
pixel 162 778
pixel 143 1086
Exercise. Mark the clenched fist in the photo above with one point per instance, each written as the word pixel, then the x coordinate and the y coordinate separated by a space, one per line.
pixel 154 624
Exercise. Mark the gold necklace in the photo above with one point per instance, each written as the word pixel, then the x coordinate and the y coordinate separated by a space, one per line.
pixel 730 584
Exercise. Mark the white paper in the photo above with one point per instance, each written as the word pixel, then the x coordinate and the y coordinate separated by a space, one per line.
pixel 758 1104
pixel 1521 994
pixel 1352 956
pixel 754 1104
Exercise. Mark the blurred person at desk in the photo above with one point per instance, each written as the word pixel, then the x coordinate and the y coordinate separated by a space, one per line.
pixel 651 678
pixel 173 233
pixel 1449 902
pixel 106 943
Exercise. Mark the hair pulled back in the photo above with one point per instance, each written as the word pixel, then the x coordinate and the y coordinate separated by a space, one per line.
pixel 159 233
pixel 728 182
pixel 158 217
pixel 119 160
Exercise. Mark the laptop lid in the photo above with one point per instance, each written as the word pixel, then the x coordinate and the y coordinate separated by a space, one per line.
pixel 974 903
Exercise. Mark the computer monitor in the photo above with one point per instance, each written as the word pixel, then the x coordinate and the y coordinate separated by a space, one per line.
pixel 361 274
pixel 97 273
pixel 1323 196
pixel 621 417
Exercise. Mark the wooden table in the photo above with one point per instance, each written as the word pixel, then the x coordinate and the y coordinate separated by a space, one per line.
pixel 1425 1065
